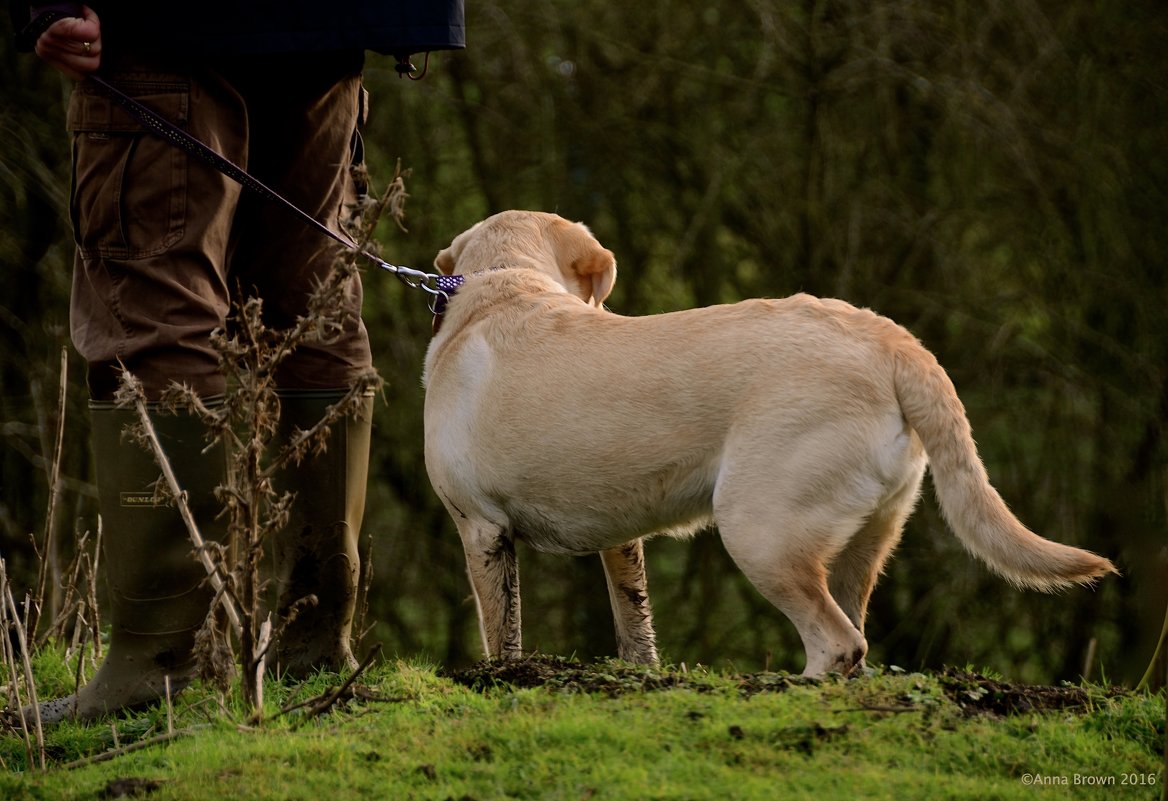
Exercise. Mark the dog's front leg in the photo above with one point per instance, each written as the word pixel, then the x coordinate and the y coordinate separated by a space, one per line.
pixel 494 576
pixel 628 590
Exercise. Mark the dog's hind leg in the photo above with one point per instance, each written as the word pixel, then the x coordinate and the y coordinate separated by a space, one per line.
pixel 786 562
pixel 628 590
pixel 855 571
pixel 494 575
pixel 857 568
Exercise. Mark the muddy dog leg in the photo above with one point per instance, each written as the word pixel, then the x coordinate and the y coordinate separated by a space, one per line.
pixel 494 576
pixel 628 591
pixel 855 571
pixel 786 561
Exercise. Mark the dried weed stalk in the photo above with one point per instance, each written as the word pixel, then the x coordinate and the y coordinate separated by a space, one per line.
pixel 79 618
pixel 15 648
pixel 46 553
pixel 246 422
pixel 75 617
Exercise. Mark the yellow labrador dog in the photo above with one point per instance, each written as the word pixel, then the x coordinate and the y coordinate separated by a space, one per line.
pixel 801 427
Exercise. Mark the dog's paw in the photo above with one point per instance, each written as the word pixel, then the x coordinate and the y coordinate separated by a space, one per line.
pixel 844 661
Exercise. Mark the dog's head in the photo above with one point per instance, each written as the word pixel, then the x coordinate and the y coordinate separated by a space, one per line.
pixel 564 250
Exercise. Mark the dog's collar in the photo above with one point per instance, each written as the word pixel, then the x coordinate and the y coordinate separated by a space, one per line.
pixel 447 285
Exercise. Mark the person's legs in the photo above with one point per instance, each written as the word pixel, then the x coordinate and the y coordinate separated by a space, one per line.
pixel 163 243
pixel 304 134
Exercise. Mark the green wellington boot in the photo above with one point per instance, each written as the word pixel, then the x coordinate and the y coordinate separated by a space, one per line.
pixel 158 595
pixel 316 553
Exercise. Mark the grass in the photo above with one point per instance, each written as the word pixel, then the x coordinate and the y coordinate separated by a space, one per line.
pixel 611 731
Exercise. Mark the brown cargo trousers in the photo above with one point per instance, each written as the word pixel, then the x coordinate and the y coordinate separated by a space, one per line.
pixel 165 243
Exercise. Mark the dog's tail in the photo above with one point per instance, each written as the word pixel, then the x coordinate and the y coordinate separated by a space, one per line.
pixel 973 508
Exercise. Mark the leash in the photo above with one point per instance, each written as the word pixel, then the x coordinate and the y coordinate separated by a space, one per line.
pixel 439 287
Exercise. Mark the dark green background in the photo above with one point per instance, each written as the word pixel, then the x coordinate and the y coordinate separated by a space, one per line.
pixel 991 175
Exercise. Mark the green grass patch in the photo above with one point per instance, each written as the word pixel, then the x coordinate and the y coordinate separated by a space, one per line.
pixel 553 729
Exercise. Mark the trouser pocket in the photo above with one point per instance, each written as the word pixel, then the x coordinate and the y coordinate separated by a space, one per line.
pixel 129 187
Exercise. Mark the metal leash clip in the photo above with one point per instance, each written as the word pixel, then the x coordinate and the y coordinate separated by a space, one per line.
pixel 439 287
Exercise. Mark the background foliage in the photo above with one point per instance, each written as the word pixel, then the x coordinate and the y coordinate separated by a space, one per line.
pixel 991 175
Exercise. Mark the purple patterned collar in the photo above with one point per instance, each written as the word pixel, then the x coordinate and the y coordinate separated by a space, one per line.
pixel 446 286
pixel 443 290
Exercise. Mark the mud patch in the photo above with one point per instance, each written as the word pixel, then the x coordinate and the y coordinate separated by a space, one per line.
pixel 606 677
pixel 977 694
pixel 974 693
pixel 558 673
pixel 130 788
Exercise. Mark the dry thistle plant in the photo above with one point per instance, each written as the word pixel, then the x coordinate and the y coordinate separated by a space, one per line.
pixel 14 648
pixel 75 613
pixel 245 422
pixel 77 624
pixel 47 550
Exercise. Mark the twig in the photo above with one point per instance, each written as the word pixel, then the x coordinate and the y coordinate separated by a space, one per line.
pixel 322 703
pixel 261 662
pixel 1161 649
pixel 54 494
pixel 185 511
pixel 77 676
pixel 95 610
pixel 366 585
pixel 70 604
pixel 169 705
pixel 10 663
pixel 22 641
pixel 106 756
pixel 1089 658
pixel 26 659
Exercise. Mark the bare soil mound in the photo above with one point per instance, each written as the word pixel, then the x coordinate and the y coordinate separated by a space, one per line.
pixel 973 692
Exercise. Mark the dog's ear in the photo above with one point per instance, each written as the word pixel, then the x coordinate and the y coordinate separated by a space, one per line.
pixel 444 261
pixel 579 252
pixel 598 267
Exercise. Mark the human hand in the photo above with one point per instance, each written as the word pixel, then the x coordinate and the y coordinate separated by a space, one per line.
pixel 73 44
